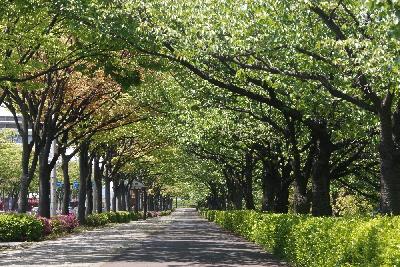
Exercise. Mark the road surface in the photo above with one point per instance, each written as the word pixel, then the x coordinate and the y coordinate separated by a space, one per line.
pixel 182 239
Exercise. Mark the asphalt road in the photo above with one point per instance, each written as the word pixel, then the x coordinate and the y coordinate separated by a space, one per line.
pixel 182 239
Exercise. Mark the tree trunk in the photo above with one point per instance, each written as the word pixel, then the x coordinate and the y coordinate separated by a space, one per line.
pixel 67 185
pixel 136 208
pixel 129 199
pixel 248 177
pixel 23 194
pixel 145 204
pixel 151 202
pixel 14 204
pixel 89 189
pixel 44 183
pixel 321 205
pixel 235 191
pixel 44 192
pixel 301 203
pixel 28 161
pixel 107 192
pixel 119 196
pixel 83 176
pixel 213 197
pixel 24 180
pixel 282 195
pixel 165 203
pixel 270 184
pixel 282 199
pixel 390 161
pixel 115 195
pixel 89 196
pixel 237 200
pixel 97 180
pixel 222 197
pixel 156 201
pixel 114 202
pixel 123 197
pixel 161 202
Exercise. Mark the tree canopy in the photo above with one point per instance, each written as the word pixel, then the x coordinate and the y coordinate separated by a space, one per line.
pixel 284 106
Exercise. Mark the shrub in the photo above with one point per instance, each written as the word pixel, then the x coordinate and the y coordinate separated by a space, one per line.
pixel 134 216
pixel 351 205
pixel 123 216
pixel 309 241
pixel 153 214
pixel 97 219
pixel 67 223
pixel 59 224
pixel 46 225
pixel 20 227
pixel 56 226
pixel 165 212
pixel 111 217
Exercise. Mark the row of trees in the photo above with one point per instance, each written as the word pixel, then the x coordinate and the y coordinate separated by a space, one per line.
pixel 287 100
pixel 71 93
pixel 321 77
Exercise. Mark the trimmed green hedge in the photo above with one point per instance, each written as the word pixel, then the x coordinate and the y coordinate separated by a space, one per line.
pixel 310 241
pixel 123 217
pixel 20 227
pixel 100 219
pixel 136 216
pixel 97 219
pixel 165 212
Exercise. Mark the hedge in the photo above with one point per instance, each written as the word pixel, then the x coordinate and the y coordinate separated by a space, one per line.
pixel 63 223
pixel 165 212
pixel 136 216
pixel 311 241
pixel 20 227
pixel 99 219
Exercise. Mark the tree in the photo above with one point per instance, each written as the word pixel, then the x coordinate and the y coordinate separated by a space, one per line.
pixel 233 58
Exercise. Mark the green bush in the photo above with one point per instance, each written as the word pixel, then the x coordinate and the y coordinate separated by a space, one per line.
pixel 165 212
pixel 97 219
pixel 111 217
pixel 56 226
pixel 309 241
pixel 136 216
pixel 123 216
pixel 351 205
pixel 20 227
pixel 141 214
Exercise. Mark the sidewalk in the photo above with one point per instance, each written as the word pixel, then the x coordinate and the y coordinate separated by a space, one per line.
pixel 182 239
pixel 90 248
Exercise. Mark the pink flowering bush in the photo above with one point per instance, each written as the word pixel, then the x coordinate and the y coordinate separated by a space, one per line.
pixel 47 229
pixel 59 224
pixel 68 222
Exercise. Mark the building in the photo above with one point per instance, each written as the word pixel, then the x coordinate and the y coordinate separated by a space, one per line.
pixel 7 121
